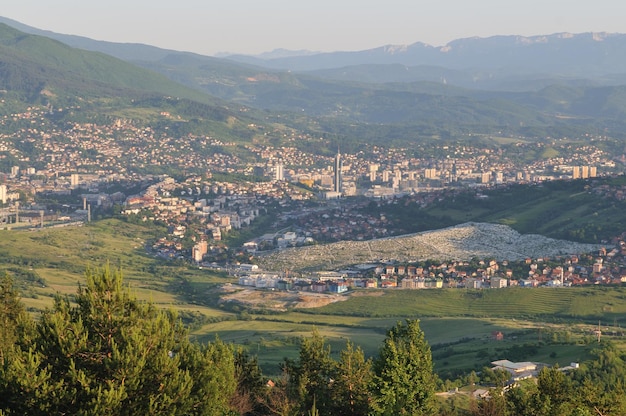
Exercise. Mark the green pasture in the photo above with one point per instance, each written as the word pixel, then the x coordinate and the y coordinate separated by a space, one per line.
pixel 551 304
pixel 459 344
pixel 53 261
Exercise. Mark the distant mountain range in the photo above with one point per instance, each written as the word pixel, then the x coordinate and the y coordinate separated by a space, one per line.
pixel 586 54
pixel 496 63
pixel 525 85
pixel 507 61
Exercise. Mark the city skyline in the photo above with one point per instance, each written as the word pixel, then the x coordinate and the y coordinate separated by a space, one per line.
pixel 243 26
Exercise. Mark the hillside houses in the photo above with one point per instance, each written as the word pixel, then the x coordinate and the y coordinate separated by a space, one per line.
pixel 484 275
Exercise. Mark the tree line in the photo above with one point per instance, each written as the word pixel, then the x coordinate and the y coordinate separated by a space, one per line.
pixel 104 352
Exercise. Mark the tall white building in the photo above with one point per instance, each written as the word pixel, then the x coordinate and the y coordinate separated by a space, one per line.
pixel 584 172
pixel 3 194
pixel 279 172
pixel 338 167
pixel 74 180
pixel 199 250
pixel 430 173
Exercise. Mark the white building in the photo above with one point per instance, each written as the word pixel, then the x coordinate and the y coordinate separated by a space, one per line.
pixel 279 172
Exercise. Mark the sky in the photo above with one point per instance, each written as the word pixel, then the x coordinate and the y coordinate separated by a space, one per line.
pixel 251 27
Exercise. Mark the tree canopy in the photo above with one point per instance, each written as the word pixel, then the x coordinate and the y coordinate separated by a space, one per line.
pixel 109 354
pixel 105 352
pixel 404 379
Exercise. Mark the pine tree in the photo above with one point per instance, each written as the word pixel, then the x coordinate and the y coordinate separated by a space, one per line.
pixel 350 390
pixel 251 385
pixel 311 376
pixel 404 383
pixel 11 314
pixel 110 354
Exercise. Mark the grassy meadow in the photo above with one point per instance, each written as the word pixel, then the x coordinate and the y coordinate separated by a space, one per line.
pixel 459 344
pixel 552 304
pixel 53 261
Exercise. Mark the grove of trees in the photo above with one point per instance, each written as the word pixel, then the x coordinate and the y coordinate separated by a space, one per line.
pixel 107 353
pixel 103 352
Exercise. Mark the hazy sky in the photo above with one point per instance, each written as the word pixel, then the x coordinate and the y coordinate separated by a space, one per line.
pixel 254 26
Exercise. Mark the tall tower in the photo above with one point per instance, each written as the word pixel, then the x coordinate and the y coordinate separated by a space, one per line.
pixel 338 166
pixel 279 172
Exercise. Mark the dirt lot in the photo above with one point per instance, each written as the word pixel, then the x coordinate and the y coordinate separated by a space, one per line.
pixel 277 300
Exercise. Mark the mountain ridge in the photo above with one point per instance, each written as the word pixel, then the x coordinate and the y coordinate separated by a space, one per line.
pixel 466 53
pixel 355 104
pixel 50 63
pixel 562 53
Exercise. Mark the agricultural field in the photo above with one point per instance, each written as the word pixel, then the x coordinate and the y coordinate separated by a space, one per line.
pixel 553 326
pixel 555 304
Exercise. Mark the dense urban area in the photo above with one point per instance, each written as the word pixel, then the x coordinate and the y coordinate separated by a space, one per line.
pixel 301 199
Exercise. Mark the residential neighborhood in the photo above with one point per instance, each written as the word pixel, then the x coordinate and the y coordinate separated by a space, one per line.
pixel 92 170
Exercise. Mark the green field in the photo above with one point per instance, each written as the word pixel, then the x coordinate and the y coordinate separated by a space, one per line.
pixel 553 304
pixel 541 324
pixel 459 344
pixel 53 261
pixel 548 325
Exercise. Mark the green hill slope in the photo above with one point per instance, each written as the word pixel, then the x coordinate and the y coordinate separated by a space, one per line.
pixel 96 88
pixel 583 210
pixel 33 64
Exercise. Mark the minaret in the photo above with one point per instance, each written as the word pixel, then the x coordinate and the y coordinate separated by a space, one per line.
pixel 338 166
